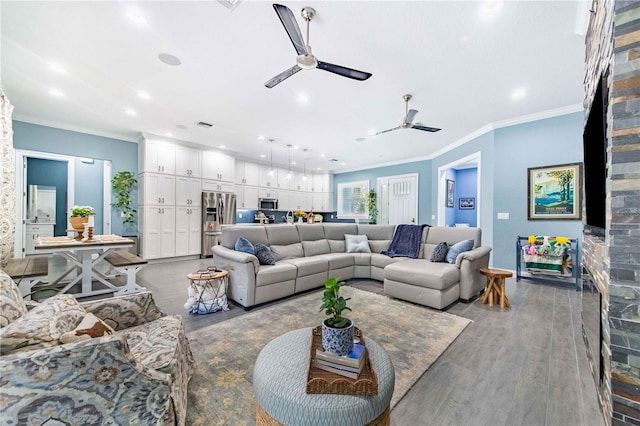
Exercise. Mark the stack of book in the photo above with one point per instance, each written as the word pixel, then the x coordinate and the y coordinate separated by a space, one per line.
pixel 349 365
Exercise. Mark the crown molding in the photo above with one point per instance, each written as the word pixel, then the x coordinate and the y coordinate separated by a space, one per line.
pixel 63 126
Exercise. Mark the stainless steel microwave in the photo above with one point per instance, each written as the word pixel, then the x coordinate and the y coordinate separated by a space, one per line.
pixel 267 204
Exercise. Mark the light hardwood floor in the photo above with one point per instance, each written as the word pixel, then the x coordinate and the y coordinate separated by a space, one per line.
pixel 523 366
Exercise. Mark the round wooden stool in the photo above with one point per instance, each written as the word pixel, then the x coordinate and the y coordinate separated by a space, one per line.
pixel 495 287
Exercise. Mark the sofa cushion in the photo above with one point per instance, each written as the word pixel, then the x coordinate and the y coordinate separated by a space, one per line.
pixel 154 343
pixel 336 231
pixel 339 260
pixel 381 260
pixel 245 246
pixel 310 232
pixel 337 246
pixel 437 234
pixel 378 246
pixel 42 326
pixel 377 232
pixel 255 234
pixel 272 274
pixel 423 273
pixel 264 255
pixel 458 248
pixel 90 327
pixel 314 248
pixel 357 243
pixel 439 253
pixel 290 251
pixel 309 265
pixel 12 304
pixel 281 235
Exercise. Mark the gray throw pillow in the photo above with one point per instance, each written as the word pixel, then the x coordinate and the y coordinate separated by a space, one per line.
pixel 357 243
pixel 457 248
pixel 245 246
pixel 439 254
pixel 264 255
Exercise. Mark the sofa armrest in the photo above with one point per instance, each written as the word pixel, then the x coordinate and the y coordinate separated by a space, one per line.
pixel 470 263
pixel 100 373
pixel 122 312
pixel 235 256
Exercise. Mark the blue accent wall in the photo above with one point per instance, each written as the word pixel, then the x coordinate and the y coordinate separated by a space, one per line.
pixel 88 186
pixel 51 173
pixel 423 168
pixel 466 187
pixel 505 154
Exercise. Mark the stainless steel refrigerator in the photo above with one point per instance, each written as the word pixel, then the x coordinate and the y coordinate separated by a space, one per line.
pixel 218 208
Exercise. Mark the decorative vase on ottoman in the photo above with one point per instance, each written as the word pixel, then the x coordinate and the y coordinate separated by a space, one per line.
pixel 338 341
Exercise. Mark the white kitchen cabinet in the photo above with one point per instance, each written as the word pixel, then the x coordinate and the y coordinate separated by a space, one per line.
pixel 34 231
pixel 269 193
pixel 327 202
pixel 188 162
pixel 217 186
pixel 299 183
pixel 247 197
pixel 316 183
pixel 247 173
pixel 301 200
pixel 216 166
pixel 284 199
pixel 188 230
pixel 157 157
pixel 268 180
pixel 157 189
pixel 322 182
pixel 284 178
pixel 188 191
pixel 158 235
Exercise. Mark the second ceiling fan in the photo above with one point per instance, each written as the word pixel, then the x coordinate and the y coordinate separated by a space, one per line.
pixel 407 123
pixel 306 60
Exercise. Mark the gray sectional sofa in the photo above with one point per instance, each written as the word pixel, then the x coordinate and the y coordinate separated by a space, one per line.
pixel 307 254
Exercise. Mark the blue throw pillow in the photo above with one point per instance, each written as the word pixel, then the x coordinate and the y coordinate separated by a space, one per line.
pixel 264 255
pixel 439 254
pixel 457 248
pixel 245 246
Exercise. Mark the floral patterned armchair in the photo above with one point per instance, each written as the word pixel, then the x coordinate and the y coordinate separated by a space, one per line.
pixel 130 365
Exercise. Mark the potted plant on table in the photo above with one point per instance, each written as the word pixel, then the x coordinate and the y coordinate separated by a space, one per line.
pixel 80 216
pixel 337 331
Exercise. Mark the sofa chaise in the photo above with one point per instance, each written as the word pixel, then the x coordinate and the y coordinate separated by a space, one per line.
pixel 307 254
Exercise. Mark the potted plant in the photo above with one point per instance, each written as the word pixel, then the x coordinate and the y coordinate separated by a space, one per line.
pixel 372 206
pixel 123 184
pixel 337 331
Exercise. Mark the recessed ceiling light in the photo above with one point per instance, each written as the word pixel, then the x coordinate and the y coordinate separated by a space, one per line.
pixel 293 162
pixel 261 137
pixel 519 93
pixel 168 134
pixel 302 99
pixel 322 155
pixel 169 59
pixel 130 112
pixel 55 67
pixel 222 146
pixel 465 38
pixel 56 93
pixel 136 17
pixel 262 155
pixel 371 132
pixel 319 168
pixel 143 95
pixel 491 8
pixel 343 164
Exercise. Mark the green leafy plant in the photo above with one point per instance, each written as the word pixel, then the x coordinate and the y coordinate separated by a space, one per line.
pixel 333 304
pixel 372 206
pixel 123 184
pixel 84 211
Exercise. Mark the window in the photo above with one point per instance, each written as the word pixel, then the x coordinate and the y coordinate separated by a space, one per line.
pixel 352 200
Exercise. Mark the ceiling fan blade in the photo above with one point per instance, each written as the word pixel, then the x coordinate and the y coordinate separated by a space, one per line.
pixel 425 128
pixel 282 76
pixel 388 130
pixel 410 115
pixel 291 26
pixel 344 71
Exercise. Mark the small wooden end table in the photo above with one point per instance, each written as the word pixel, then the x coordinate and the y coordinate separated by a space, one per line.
pixel 495 289
pixel 214 283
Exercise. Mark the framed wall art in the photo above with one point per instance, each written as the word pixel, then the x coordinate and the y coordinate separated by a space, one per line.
pixel 467 203
pixel 451 186
pixel 554 192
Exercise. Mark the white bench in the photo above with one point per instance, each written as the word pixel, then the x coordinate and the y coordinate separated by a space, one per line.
pixel 129 264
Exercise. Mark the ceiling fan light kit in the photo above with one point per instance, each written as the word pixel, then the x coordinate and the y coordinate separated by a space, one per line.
pixel 305 59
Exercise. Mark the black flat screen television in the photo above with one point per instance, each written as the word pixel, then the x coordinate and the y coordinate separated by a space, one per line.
pixel 595 161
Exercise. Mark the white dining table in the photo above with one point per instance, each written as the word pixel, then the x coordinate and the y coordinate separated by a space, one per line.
pixel 80 253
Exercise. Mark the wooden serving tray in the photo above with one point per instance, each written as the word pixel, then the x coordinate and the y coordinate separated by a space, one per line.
pixel 320 381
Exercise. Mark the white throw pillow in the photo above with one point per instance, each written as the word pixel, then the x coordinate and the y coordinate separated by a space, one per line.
pixel 357 243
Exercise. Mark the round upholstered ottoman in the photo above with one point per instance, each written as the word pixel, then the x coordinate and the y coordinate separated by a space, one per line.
pixel 280 379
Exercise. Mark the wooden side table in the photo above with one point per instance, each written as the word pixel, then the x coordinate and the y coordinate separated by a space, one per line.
pixel 212 283
pixel 495 289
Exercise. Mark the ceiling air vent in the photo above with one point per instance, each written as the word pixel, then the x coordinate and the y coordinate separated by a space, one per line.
pixel 204 124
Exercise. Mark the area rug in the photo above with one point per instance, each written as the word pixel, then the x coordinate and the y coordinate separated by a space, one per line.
pixel 221 392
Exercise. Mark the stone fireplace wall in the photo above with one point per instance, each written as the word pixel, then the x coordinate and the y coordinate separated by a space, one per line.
pixel 613 41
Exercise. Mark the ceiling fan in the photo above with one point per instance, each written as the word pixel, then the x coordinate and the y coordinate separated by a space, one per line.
pixel 306 60
pixel 408 120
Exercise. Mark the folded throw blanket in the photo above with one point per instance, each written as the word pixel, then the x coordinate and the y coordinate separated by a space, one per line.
pixel 406 241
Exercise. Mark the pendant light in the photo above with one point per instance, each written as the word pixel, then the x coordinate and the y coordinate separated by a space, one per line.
pixel 290 174
pixel 272 171
pixel 304 165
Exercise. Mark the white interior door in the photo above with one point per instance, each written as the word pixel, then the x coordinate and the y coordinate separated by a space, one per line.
pixel 398 199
